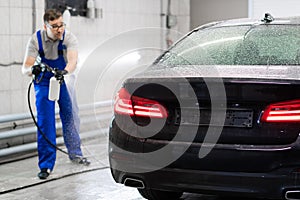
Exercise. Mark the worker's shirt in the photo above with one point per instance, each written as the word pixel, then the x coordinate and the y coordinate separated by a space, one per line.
pixel 50 47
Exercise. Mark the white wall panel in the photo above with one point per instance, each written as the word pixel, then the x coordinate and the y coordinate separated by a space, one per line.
pixel 6 104
pixel 205 11
pixel 5 80
pixel 4 16
pixel 15 3
pixel 16 48
pixel 278 8
pixel 5 50
pixel 26 21
pixel 4 3
pixel 15 20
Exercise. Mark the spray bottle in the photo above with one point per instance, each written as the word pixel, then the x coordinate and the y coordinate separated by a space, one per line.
pixel 54 89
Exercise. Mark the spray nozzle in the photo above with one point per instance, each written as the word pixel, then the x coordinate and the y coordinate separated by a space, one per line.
pixel 59 74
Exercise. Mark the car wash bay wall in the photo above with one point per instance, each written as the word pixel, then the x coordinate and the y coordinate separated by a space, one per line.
pixel 20 18
pixel 277 8
pixel 205 11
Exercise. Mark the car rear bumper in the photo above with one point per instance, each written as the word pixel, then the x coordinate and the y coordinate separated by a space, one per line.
pixel 188 174
pixel 258 185
pixel 241 170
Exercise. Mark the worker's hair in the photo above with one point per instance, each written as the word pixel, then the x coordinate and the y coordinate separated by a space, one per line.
pixel 51 14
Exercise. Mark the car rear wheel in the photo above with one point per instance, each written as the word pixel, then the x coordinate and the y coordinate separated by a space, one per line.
pixel 151 194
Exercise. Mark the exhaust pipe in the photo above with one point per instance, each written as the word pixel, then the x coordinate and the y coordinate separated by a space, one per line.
pixel 136 183
pixel 292 195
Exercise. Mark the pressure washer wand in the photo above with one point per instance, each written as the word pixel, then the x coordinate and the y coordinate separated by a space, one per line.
pixel 54 84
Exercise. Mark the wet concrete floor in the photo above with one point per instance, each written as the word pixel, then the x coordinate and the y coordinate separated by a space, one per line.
pixel 69 181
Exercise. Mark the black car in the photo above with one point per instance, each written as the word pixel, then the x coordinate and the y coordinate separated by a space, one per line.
pixel 217 113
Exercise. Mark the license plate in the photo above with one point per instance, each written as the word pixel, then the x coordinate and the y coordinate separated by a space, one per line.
pixel 233 117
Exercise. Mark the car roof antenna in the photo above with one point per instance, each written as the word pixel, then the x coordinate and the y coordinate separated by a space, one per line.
pixel 268 18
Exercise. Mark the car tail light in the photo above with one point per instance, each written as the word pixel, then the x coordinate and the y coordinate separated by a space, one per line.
pixel 126 104
pixel 288 111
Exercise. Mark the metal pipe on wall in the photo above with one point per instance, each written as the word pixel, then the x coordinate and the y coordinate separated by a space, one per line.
pixel 168 37
pixel 59 141
pixel 33 16
pixel 24 116
pixel 162 26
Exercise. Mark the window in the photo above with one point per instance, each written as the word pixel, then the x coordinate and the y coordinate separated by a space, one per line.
pixel 237 45
pixel 76 7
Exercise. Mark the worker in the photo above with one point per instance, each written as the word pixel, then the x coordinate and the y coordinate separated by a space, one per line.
pixel 58 48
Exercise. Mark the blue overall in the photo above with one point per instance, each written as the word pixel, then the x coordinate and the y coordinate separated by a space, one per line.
pixel 46 113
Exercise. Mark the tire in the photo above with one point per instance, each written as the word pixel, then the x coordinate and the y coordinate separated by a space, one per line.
pixel 151 194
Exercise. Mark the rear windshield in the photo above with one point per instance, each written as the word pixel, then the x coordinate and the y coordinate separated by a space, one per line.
pixel 237 45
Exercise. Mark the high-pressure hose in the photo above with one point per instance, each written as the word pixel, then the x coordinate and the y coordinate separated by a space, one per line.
pixel 81 159
pixel 36 124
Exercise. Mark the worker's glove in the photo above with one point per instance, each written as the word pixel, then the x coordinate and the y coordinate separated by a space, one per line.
pixel 36 70
pixel 59 74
